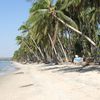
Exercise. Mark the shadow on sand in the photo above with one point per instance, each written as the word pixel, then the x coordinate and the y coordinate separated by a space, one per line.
pixel 65 68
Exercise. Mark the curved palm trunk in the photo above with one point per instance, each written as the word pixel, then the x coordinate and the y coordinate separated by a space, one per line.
pixel 37 47
pixel 55 34
pixel 53 47
pixel 77 31
pixel 31 50
pixel 36 44
pixel 62 48
pixel 28 47
pixel 70 47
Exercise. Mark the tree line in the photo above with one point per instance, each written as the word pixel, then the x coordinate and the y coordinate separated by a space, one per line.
pixel 56 30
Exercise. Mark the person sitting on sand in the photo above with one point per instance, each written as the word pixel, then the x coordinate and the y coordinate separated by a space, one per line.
pixel 77 59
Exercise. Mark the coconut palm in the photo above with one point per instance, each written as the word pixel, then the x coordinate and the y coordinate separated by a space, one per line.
pixel 43 21
pixel 44 8
pixel 52 24
pixel 29 32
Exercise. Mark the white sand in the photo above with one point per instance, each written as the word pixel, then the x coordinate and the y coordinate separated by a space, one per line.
pixel 37 82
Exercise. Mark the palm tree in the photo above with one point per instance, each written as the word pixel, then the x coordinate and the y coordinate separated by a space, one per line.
pixel 27 49
pixel 51 20
pixel 42 20
pixel 43 8
pixel 24 29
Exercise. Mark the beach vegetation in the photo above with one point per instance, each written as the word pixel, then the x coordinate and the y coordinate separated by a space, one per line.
pixel 57 30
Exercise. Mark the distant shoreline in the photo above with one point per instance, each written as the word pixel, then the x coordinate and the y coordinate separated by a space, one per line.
pixel 6 59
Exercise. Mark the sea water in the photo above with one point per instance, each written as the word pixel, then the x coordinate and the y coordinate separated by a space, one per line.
pixel 6 67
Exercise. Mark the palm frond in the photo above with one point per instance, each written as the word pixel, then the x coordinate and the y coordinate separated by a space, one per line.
pixel 67 19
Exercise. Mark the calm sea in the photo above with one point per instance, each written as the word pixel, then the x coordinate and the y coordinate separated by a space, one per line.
pixel 6 67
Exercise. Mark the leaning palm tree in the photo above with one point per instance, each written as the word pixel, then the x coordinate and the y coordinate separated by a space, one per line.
pixel 47 17
pixel 44 23
pixel 50 20
pixel 45 9
pixel 25 30
pixel 26 49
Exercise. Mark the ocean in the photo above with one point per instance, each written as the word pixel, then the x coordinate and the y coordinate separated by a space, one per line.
pixel 6 67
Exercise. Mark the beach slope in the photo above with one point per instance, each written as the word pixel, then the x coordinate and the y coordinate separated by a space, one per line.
pixel 49 82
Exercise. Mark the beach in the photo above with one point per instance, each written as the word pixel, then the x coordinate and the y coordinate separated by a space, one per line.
pixel 51 82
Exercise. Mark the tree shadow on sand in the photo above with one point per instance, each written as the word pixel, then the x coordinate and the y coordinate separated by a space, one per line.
pixel 66 69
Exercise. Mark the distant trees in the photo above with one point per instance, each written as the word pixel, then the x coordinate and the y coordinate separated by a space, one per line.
pixel 49 34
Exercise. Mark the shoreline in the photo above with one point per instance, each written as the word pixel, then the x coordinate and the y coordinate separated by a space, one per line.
pixel 49 82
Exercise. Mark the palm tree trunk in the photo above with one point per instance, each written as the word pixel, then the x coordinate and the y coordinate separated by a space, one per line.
pixel 55 33
pixel 28 47
pixel 37 47
pixel 53 47
pixel 62 48
pixel 71 53
pixel 36 44
pixel 77 31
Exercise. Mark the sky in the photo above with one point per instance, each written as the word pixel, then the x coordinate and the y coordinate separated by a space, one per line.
pixel 13 13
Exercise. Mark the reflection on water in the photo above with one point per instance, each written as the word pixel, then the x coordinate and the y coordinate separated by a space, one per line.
pixel 6 67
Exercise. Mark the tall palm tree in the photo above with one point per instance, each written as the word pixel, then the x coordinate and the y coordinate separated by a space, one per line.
pixel 51 26
pixel 45 9
pixel 29 32
pixel 43 21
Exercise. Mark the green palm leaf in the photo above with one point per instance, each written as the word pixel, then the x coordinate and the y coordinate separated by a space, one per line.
pixel 67 19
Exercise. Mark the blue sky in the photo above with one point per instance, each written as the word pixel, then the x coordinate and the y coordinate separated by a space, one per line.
pixel 13 13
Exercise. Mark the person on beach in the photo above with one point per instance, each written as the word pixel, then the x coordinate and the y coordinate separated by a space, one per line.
pixel 77 59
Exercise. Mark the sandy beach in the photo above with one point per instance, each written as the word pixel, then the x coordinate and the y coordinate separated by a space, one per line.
pixel 51 82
